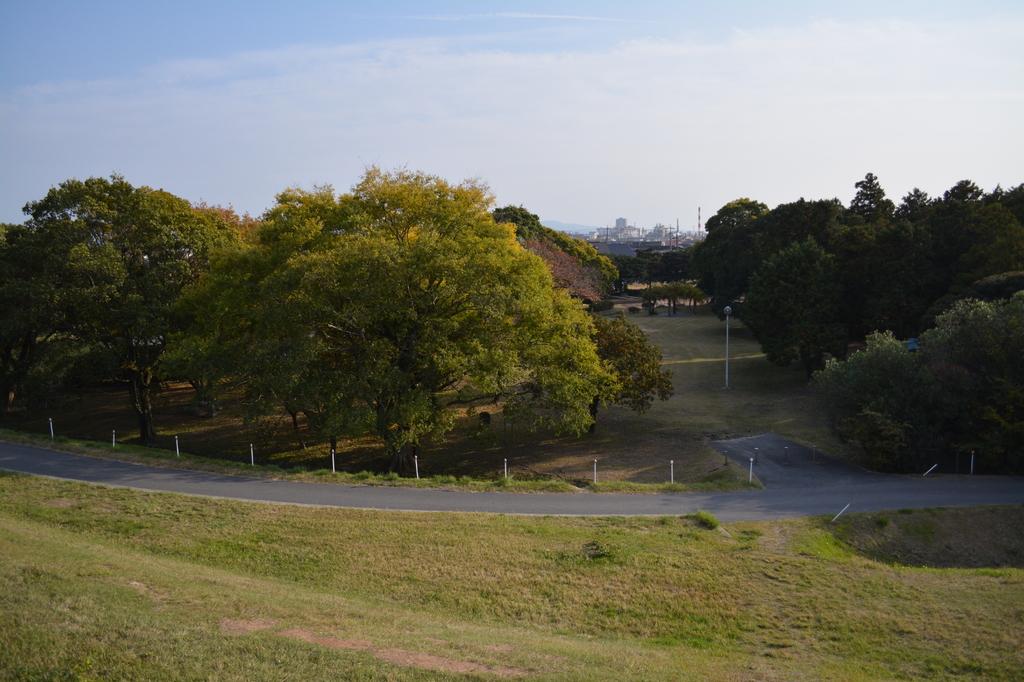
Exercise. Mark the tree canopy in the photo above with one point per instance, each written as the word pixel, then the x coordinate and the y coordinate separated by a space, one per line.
pixel 894 263
pixel 386 309
pixel 792 306
pixel 576 265
pixel 961 393
pixel 635 362
pixel 109 262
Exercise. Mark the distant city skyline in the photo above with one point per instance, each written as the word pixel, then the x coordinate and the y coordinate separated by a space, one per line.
pixel 579 111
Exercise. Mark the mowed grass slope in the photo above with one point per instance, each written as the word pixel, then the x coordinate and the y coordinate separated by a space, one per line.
pixel 113 584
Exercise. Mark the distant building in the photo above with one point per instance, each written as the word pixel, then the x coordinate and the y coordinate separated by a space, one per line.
pixel 626 239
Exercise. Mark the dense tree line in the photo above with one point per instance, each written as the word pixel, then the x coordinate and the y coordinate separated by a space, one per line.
pixel 813 279
pixel 960 394
pixel 648 267
pixel 808 277
pixel 674 294
pixel 388 310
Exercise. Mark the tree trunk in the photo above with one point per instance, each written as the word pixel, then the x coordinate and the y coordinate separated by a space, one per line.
pixel 401 458
pixel 15 368
pixel 7 402
pixel 594 405
pixel 140 389
pixel 810 361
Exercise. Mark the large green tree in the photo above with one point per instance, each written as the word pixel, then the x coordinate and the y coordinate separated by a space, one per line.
pixel 130 251
pixel 883 399
pixel 635 362
pixel 870 203
pixel 389 309
pixel 725 259
pixel 974 351
pixel 32 304
pixel 737 214
pixel 960 394
pixel 794 307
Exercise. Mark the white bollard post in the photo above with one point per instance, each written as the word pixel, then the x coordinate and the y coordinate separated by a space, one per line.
pixel 177 450
pixel 840 513
pixel 929 471
pixel 252 456
pixel 671 471
pixel 750 476
pixel 756 453
pixel 113 439
pixel 51 428
pixel 333 470
pixel 416 463
pixel 972 462
pixel 506 467
pixel 595 471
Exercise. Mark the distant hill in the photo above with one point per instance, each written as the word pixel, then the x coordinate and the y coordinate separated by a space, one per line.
pixel 568 227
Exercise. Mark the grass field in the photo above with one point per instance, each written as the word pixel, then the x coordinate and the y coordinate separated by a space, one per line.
pixel 117 584
pixel 631 448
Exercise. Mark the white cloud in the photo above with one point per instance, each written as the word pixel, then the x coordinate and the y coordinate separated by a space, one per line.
pixel 646 128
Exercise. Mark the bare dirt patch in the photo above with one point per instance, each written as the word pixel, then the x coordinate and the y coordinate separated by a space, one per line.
pixel 776 538
pixel 499 648
pixel 60 503
pixel 231 626
pixel 402 657
pixel 147 591
pixel 416 659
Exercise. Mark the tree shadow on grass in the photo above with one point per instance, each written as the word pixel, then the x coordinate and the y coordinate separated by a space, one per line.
pixel 973 537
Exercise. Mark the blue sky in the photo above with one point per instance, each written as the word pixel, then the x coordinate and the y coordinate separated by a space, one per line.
pixel 582 111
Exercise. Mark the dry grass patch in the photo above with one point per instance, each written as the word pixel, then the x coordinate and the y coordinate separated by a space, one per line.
pixel 630 447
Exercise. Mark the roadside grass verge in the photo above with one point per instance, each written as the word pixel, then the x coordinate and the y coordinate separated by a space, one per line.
pixel 139 454
pixel 115 583
pixel 725 478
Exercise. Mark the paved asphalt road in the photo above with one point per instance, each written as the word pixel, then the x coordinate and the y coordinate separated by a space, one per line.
pixel 799 483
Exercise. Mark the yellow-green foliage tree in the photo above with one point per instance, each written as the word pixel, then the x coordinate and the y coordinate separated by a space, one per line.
pixel 381 310
pixel 635 362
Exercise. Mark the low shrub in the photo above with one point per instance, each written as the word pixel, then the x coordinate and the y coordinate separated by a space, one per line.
pixel 705 519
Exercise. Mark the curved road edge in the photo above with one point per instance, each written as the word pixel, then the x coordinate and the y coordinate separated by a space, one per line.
pixel 880 492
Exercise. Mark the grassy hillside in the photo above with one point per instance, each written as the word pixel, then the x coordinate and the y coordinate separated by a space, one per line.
pixel 114 584
pixel 978 537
